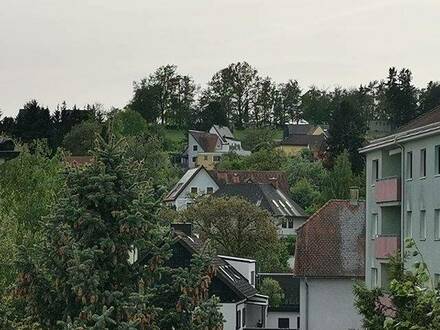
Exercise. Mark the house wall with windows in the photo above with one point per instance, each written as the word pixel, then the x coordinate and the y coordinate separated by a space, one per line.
pixel 280 320
pixel 208 159
pixel 328 304
pixel 200 185
pixel 290 150
pixel 192 151
pixel 403 185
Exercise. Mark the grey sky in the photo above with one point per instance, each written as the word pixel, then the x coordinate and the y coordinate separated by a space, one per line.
pixel 86 51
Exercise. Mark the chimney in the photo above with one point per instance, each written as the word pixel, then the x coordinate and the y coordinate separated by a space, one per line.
pixel 185 228
pixel 274 182
pixel 354 195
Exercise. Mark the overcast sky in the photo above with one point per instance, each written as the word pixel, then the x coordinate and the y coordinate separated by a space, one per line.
pixel 87 51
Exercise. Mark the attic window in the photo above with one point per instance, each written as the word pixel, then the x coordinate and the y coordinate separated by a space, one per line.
pixel 195 147
pixel 193 190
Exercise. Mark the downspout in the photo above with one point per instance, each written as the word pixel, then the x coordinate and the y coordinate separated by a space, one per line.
pixel 307 304
pixel 402 198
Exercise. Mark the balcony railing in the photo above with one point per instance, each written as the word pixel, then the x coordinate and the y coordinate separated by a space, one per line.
pixel 387 246
pixel 388 190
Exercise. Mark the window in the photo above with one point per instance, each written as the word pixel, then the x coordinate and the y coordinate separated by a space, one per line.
pixel 194 159
pixel 409 165
pixel 423 163
pixel 422 225
pixel 243 323
pixel 209 190
pixel 216 158
pixel 195 147
pixel 238 319
pixel 283 323
pixel 437 224
pixel 408 228
pixel 252 277
pixel 284 223
pixel 290 223
pixel 437 159
pixel 205 157
pixel 375 170
pixel 298 322
pixel 374 225
pixel 194 190
pixel 374 277
pixel 436 280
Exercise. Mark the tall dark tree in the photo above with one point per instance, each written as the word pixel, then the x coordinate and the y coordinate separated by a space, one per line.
pixel 398 97
pixel 429 97
pixel 263 108
pixel 164 96
pixel 291 96
pixel 346 132
pixel 316 106
pixel 32 122
pixel 213 113
pixel 235 87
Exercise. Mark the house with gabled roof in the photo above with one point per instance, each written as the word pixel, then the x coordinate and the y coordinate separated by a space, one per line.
pixel 298 137
pixel 329 259
pixel 207 148
pixel 287 214
pixel 234 282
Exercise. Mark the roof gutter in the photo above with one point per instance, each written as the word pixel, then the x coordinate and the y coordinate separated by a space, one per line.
pixel 402 137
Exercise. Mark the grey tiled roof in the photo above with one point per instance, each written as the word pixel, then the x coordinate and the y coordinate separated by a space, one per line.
pixel 427 118
pixel 332 242
pixel 225 272
pixel 266 196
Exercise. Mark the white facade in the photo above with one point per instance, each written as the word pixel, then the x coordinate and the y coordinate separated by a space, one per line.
pixel 202 183
pixel 328 304
pixel 245 267
pixel 273 319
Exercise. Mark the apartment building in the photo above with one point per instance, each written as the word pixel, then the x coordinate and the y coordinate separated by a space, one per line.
pixel 403 196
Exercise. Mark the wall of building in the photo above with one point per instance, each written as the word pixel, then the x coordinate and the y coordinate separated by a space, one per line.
pixel 228 311
pixel 420 194
pixel 330 305
pixel 190 151
pixel 272 319
pixel 202 181
pixel 208 160
pixel 245 268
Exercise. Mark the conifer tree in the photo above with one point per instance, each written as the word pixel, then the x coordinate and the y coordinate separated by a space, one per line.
pixel 85 277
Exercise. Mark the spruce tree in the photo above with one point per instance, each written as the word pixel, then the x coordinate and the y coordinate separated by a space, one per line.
pixel 84 278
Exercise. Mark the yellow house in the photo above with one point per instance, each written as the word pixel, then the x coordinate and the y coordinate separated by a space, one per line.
pixel 294 144
pixel 208 159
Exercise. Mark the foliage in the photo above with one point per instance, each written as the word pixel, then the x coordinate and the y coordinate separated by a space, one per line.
pixel 128 123
pixel 303 193
pixel 429 97
pixel 347 132
pixel 272 288
pixel 32 122
pixel 254 139
pixel 82 276
pixel 236 227
pixel 29 185
pixel 414 303
pixel 79 141
pixel 265 159
pixel 339 180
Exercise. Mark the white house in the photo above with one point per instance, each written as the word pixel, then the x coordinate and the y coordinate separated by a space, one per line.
pixel 207 148
pixel 329 259
pixel 195 182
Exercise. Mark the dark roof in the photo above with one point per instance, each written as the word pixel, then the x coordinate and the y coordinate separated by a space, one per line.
pixel 301 129
pixel 264 195
pixel 278 178
pixel 332 242
pixel 430 117
pixel 290 285
pixel 7 148
pixel 207 141
pixel 224 271
pixel 314 141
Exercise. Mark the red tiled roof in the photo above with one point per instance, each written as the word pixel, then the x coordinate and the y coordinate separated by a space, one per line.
pixel 277 178
pixel 207 141
pixel 332 242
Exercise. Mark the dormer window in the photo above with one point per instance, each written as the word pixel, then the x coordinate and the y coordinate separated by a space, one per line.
pixel 195 147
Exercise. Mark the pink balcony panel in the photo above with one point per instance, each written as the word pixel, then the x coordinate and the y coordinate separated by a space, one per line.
pixel 387 246
pixel 388 190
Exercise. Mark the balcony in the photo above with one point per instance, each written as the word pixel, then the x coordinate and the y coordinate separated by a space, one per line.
pixel 387 246
pixel 388 190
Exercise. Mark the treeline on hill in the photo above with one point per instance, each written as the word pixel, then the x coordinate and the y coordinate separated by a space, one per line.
pixel 239 97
